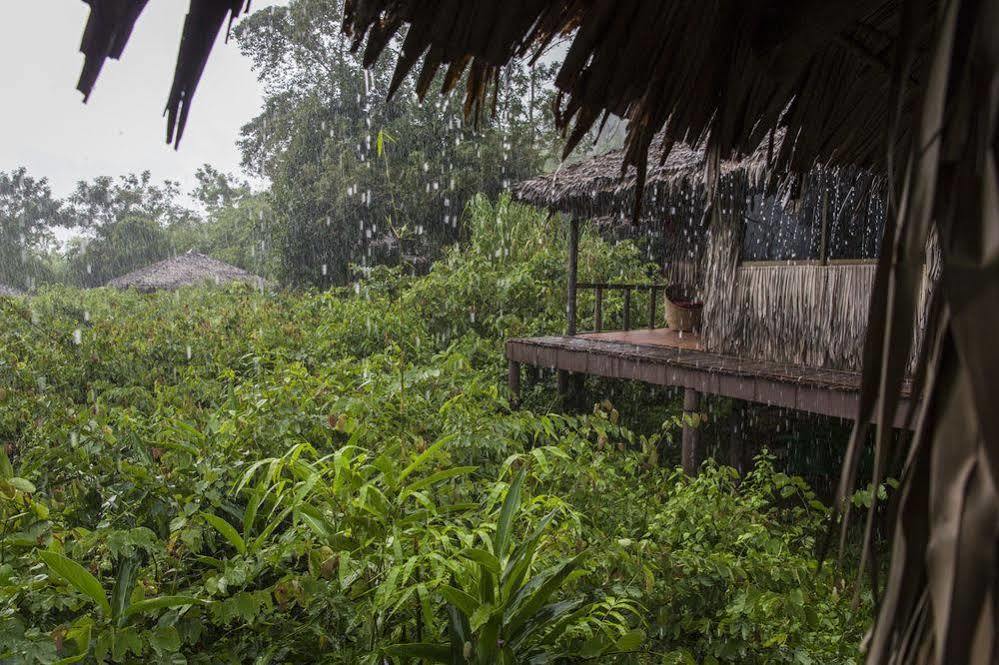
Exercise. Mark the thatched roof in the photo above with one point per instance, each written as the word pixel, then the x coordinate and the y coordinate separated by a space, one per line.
pixel 605 186
pixel 189 269
pixel 9 291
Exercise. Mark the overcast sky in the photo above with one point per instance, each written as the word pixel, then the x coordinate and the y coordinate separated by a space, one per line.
pixel 45 126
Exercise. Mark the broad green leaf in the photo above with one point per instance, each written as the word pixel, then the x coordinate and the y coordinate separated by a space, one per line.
pixel 630 640
pixel 435 478
pixel 165 639
pixel 523 555
pixel 128 570
pixel 79 577
pixel 227 530
pixel 510 506
pixel 21 485
pixel 160 603
pixel 536 593
pixel 483 557
pixel 250 514
pixel 273 524
pixel 424 456
pixel 460 599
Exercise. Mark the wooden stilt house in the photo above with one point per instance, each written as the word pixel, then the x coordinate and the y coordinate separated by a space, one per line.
pixel 784 279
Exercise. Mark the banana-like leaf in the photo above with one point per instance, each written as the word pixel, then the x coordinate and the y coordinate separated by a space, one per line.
pixel 520 561
pixel 227 531
pixel 79 577
pixel 482 557
pixel 465 602
pixel 507 513
pixel 250 514
pixel 128 570
pixel 533 596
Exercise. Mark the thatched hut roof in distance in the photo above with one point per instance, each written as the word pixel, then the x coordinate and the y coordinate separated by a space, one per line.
pixel 191 269
pixel 596 187
pixel 9 291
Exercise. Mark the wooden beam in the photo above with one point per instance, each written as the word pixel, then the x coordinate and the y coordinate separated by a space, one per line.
pixel 513 381
pixel 627 309
pixel 598 309
pixel 692 453
pixel 813 390
pixel 570 308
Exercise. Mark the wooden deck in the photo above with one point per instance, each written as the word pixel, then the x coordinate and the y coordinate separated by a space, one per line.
pixel 667 358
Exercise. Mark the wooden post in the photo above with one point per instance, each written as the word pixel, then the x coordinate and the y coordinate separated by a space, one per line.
pixel 570 308
pixel 598 310
pixel 627 309
pixel 737 438
pixel 691 453
pixel 513 381
pixel 652 307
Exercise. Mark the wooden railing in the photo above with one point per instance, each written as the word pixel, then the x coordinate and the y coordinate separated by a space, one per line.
pixel 600 288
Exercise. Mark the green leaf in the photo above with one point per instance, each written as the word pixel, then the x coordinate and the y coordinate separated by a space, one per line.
pixel 483 557
pixel 510 505
pixel 465 602
pixel 21 485
pixel 423 457
pixel 79 577
pixel 436 653
pixel 520 561
pixel 165 639
pixel 159 603
pixel 273 524
pixel 435 478
pixel 227 531
pixel 250 514
pixel 128 570
pixel 533 595
pixel 630 640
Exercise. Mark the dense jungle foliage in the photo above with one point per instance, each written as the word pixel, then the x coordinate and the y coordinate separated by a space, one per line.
pixel 228 476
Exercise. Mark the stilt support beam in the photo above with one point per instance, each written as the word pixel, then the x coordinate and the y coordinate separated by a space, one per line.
pixel 692 452
pixel 513 381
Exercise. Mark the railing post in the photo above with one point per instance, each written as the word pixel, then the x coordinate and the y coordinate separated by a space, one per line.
pixel 598 310
pixel 652 306
pixel 573 272
pixel 627 309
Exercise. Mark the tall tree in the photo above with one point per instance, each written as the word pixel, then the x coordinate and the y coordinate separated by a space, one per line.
pixel 357 179
pixel 28 214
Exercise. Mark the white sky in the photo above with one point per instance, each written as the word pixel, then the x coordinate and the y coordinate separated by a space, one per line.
pixel 45 126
